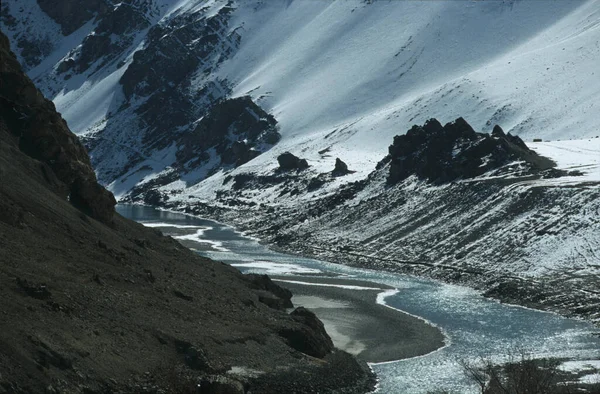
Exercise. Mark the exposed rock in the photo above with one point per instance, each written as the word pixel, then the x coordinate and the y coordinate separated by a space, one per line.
pixel 341 168
pixel 271 300
pixel 288 162
pixel 41 133
pixel 310 337
pixel 263 282
pixel 183 296
pixel 237 128
pixel 40 291
pixel 47 356
pixel 316 183
pixel 114 33
pixel 498 132
pixel 446 153
pixel 93 199
pixel 219 384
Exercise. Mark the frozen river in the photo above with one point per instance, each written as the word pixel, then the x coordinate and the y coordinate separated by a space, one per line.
pixel 474 326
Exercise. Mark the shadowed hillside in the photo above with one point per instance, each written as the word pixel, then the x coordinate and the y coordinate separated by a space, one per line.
pixel 92 302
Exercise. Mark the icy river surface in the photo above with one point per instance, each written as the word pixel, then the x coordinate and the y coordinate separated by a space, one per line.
pixel 474 326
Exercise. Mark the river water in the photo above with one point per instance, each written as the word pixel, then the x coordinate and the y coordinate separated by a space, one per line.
pixel 474 326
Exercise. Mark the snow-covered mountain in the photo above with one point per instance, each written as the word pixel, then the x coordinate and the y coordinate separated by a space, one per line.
pixel 132 77
pixel 188 104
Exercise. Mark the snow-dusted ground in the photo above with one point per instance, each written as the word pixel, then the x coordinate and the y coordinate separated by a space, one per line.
pixel 581 155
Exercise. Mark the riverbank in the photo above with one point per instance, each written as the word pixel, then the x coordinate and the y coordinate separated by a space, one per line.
pixel 358 324
pixel 476 326
pixel 352 311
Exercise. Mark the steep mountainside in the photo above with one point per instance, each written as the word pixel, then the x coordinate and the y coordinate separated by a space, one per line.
pixel 190 104
pixel 94 303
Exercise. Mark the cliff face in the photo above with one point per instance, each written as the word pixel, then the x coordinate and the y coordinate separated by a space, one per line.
pixel 41 133
pixel 91 302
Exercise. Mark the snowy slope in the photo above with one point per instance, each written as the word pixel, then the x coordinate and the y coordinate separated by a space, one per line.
pixel 359 74
pixel 350 75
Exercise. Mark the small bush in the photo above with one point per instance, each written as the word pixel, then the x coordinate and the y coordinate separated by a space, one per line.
pixel 521 375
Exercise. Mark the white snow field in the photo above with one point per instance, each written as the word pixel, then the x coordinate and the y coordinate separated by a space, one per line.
pixel 349 75
pixel 574 155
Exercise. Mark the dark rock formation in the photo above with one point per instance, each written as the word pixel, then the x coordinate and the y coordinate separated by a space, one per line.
pixel 41 133
pixel 288 162
pixel 206 43
pixel 341 168
pixel 271 293
pixel 114 33
pixel 231 133
pixel 310 338
pixel 455 151
pixel 72 14
pixel 238 129
pixel 220 384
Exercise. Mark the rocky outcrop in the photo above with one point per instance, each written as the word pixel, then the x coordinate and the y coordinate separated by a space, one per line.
pixel 269 292
pixel 238 130
pixel 442 154
pixel 310 337
pixel 41 133
pixel 187 46
pixel 288 162
pixel 340 168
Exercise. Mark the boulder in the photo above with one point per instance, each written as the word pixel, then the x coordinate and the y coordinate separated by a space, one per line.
pixel 93 199
pixel 309 337
pixel 340 168
pixel 287 162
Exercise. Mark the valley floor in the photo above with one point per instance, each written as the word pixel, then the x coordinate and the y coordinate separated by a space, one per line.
pixel 525 240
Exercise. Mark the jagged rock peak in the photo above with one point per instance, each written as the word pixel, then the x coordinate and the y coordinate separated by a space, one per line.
pixel 340 168
pixel 498 132
pixel 455 151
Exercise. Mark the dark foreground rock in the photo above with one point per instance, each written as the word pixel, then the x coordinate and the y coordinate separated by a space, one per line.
pixel 41 133
pixel 93 303
pixel 310 338
pixel 269 292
